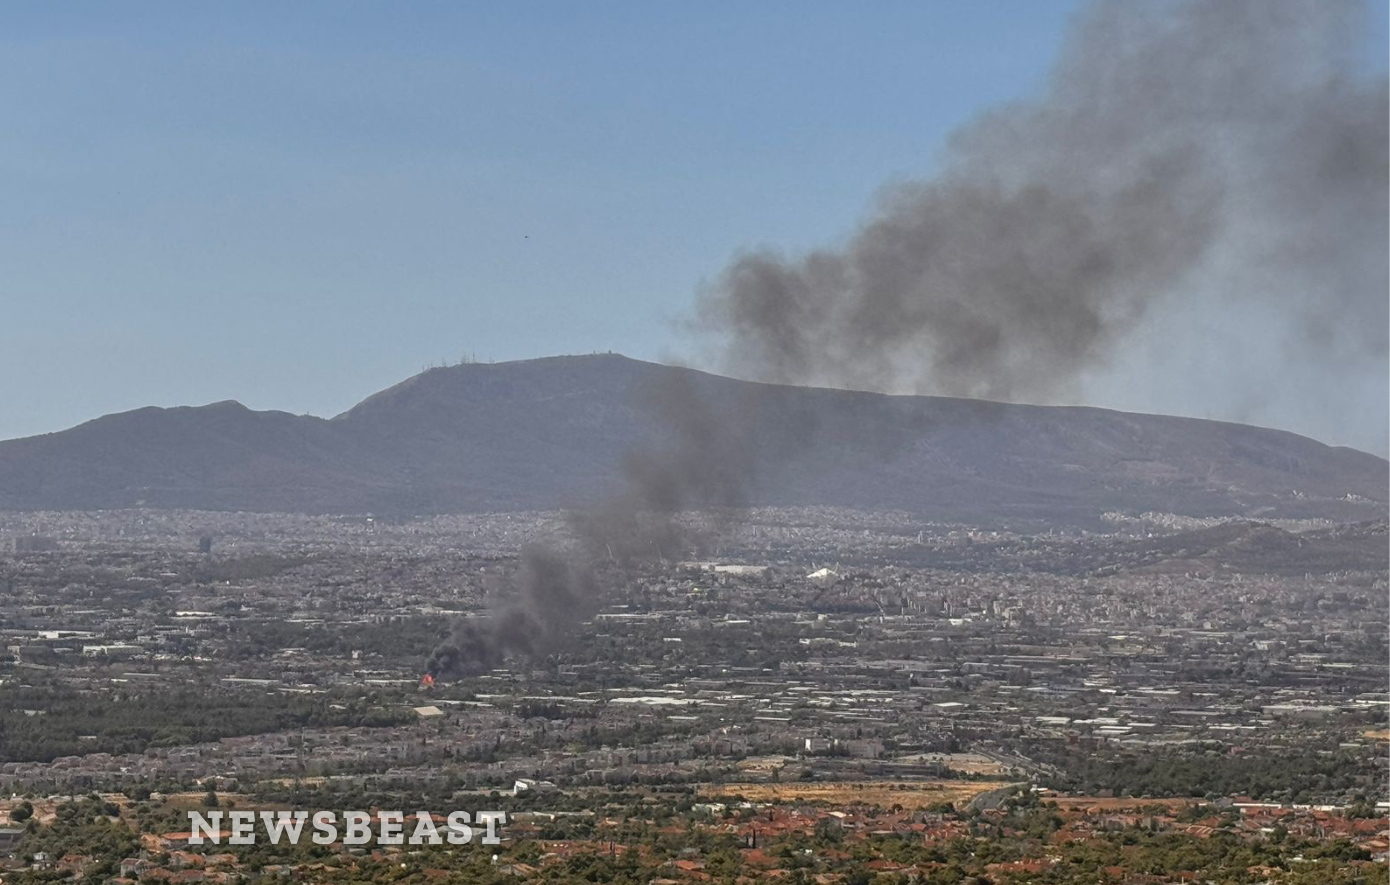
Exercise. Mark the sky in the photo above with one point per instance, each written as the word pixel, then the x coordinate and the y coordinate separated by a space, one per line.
pixel 296 205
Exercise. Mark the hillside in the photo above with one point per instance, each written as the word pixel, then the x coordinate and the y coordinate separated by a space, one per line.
pixel 539 434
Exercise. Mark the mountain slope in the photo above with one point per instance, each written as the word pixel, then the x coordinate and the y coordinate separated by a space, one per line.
pixel 538 434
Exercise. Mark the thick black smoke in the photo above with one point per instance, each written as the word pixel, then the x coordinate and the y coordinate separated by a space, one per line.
pixel 548 590
pixel 1232 148
pixel 680 492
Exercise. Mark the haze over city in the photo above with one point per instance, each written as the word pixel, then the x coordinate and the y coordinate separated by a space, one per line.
pixel 700 444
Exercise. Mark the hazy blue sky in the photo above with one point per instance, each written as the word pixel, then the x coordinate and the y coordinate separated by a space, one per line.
pixel 297 204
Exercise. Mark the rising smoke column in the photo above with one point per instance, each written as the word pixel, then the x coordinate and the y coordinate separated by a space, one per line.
pixel 550 588
pixel 680 492
pixel 1230 147
pixel 1234 144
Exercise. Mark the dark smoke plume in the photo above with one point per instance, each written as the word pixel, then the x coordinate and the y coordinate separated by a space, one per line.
pixel 547 591
pixel 680 492
pixel 1229 148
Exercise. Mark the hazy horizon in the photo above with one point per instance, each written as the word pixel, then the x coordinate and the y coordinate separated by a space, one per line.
pixel 467 360
pixel 297 207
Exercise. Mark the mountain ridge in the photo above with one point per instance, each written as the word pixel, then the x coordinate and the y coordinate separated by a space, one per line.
pixel 552 432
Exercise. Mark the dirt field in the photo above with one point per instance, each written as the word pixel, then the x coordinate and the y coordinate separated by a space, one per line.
pixel 1096 803
pixel 969 763
pixel 908 794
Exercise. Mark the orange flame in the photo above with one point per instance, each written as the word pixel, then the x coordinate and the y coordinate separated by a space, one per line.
pixel 426 681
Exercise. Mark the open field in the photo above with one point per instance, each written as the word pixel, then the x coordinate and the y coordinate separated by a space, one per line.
pixel 969 763
pixel 1124 803
pixel 908 794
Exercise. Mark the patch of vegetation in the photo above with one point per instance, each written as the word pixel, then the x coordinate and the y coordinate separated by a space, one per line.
pixel 42 723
